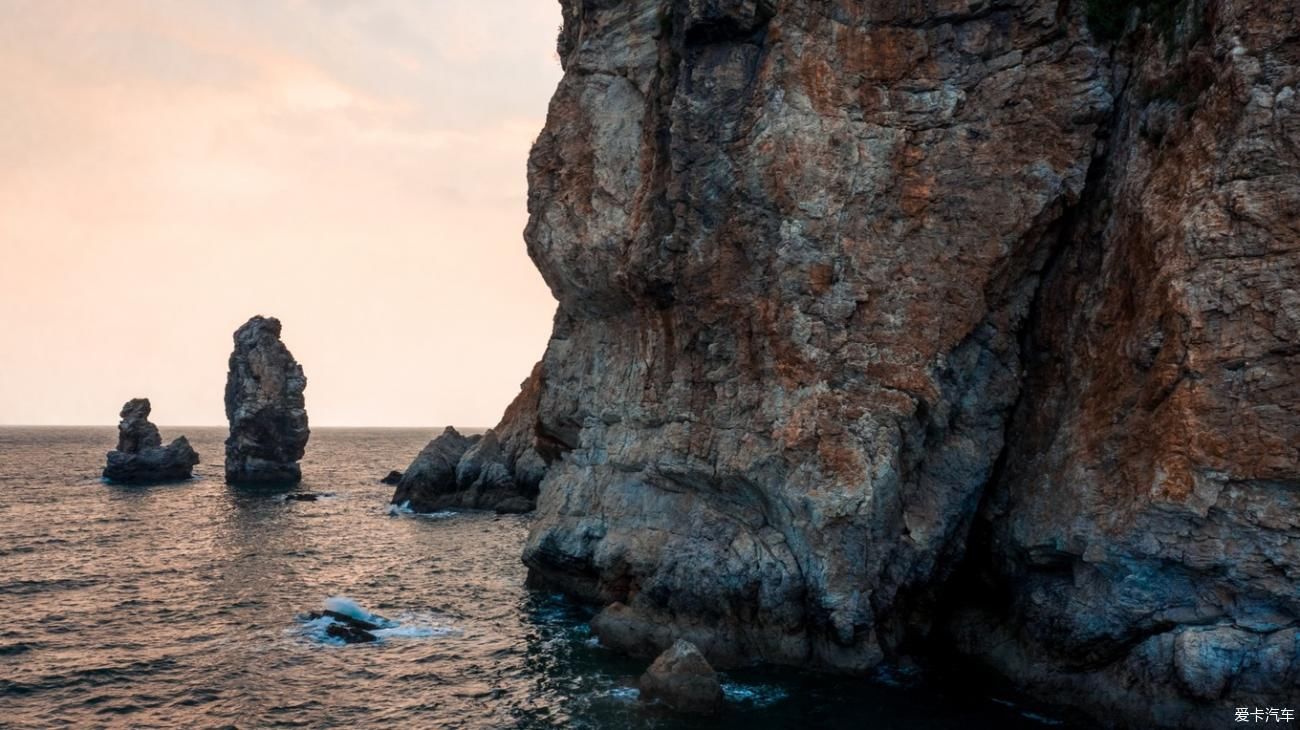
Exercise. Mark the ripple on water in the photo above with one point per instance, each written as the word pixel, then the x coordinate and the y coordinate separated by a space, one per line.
pixel 179 606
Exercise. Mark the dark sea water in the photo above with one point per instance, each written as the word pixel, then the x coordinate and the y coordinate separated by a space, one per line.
pixel 180 606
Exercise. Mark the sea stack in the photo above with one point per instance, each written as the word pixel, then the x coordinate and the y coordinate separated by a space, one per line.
pixel 265 407
pixel 140 457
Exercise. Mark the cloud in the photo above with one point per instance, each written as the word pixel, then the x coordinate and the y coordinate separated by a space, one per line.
pixel 349 164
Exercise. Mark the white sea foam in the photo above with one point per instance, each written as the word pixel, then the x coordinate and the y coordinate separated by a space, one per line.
pixel 349 607
pixel 408 625
pixel 405 509
pixel 416 632
pixel 625 694
pixel 316 629
pixel 758 695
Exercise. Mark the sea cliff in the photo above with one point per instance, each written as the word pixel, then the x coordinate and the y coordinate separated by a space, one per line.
pixel 892 325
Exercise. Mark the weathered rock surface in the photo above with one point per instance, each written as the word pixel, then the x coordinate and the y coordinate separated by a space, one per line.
pixel 499 470
pixel 140 457
pixel 1143 539
pixel 429 483
pixel 682 679
pixel 265 407
pixel 392 478
pixel 834 278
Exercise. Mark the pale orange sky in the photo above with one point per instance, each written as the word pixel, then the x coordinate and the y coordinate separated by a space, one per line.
pixel 355 168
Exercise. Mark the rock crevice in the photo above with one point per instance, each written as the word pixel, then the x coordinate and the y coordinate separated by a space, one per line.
pixel 862 305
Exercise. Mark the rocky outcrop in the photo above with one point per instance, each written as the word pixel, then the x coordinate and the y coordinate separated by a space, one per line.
pixel 682 679
pixel 392 478
pixel 834 278
pixel 265 407
pixel 140 457
pixel 499 470
pixel 429 483
pixel 793 248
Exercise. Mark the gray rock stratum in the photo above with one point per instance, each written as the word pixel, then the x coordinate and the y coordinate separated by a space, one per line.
pixel 265 407
pixel 888 324
pixel 140 457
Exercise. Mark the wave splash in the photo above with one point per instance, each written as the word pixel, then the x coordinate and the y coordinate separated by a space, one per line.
pixel 409 625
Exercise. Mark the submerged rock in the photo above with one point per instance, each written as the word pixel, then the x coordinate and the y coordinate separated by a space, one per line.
pixel 349 632
pixel 682 679
pixel 140 457
pixel 265 407
pixel 304 497
pixel 346 620
pixel 350 629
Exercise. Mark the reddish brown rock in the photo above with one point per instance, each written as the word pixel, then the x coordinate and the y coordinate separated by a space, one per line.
pixel 1144 538
pixel 682 679
pixel 793 245
pixel 811 257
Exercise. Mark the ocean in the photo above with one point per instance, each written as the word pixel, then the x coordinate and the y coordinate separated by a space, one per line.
pixel 183 606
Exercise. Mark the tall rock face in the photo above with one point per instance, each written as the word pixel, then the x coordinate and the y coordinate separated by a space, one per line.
pixel 140 457
pixel 265 407
pixel 836 277
pixel 1142 545
pixel 793 246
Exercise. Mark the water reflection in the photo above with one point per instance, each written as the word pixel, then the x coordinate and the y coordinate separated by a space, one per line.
pixel 178 605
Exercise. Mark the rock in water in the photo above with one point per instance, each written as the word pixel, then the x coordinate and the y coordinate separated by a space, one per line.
pixel 265 407
pixel 392 478
pixel 682 679
pixel 140 457
pixel 349 633
pixel 839 281
pixel 429 483
pixel 499 470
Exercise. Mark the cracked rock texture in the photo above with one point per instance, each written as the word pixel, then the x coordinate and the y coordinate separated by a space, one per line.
pixel 140 457
pixel 265 407
pixel 886 322
pixel 1143 542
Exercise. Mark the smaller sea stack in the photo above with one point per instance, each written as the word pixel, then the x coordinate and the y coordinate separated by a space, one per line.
pixel 140 457
pixel 265 407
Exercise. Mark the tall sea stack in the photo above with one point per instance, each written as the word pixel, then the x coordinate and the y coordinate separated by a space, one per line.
pixel 265 407
pixel 892 325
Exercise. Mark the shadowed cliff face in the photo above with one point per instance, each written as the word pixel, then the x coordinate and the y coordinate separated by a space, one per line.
pixel 810 256
pixel 1145 534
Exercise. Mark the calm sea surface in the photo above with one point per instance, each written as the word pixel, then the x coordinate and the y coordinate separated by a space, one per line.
pixel 180 606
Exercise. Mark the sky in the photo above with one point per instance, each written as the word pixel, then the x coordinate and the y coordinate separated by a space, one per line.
pixel 353 167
